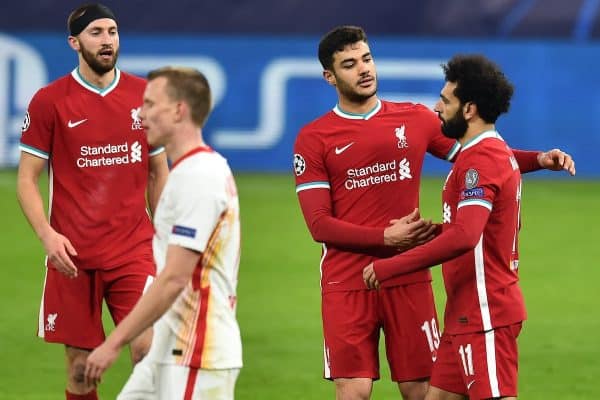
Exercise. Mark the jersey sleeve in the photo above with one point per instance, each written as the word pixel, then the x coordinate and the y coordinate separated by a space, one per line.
pixel 478 181
pixel 313 189
pixel 198 209
pixel 38 127
pixel 527 160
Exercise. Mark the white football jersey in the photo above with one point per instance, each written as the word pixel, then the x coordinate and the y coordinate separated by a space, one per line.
pixel 199 210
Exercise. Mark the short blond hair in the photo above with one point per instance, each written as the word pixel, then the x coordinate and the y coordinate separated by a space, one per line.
pixel 188 85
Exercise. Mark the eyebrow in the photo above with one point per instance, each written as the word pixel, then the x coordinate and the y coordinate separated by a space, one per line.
pixel 367 54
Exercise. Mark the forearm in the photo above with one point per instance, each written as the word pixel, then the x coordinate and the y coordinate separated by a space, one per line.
pixel 155 302
pixel 528 160
pixel 457 238
pixel 327 228
pixel 336 232
pixel 32 205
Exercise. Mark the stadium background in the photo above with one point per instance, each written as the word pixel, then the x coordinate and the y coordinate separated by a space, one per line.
pixel 260 57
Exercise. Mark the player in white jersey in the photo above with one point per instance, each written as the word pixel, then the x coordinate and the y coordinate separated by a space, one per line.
pixel 196 351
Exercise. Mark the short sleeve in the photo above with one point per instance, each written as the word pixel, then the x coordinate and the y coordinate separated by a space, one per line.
pixel 309 166
pixel 38 127
pixel 199 203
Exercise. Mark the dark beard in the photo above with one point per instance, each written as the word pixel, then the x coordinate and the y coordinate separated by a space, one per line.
pixel 455 127
pixel 97 66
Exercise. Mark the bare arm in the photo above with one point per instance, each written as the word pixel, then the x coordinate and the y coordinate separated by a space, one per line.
pixel 157 176
pixel 154 303
pixel 57 247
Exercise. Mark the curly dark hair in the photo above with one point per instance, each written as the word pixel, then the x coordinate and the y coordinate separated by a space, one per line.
pixel 336 39
pixel 480 81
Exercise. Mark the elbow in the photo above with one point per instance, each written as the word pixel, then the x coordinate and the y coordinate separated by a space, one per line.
pixel 468 240
pixel 317 231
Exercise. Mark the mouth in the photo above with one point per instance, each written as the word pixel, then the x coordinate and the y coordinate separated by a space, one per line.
pixel 366 82
pixel 106 54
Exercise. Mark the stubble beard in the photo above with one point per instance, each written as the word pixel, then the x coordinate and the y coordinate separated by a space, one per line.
pixel 353 95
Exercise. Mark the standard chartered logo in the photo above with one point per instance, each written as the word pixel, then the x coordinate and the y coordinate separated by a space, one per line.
pixel 378 173
pixel 109 155
pixel 136 152
pixel 446 214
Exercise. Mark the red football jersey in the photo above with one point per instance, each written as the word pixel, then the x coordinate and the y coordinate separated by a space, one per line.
pixel 482 284
pixel 478 245
pixel 371 167
pixel 98 165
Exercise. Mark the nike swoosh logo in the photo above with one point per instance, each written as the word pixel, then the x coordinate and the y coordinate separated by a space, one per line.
pixel 469 384
pixel 339 151
pixel 76 123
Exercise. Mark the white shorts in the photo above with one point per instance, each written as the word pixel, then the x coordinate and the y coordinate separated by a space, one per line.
pixel 153 381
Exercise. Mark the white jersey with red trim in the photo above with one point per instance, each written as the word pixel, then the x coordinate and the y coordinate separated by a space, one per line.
pixel 198 209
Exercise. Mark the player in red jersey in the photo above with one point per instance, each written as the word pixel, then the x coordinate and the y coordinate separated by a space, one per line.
pixel 98 236
pixel 357 168
pixel 478 355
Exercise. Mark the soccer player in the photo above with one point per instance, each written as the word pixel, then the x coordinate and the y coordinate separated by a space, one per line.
pixel 481 198
pixel 196 349
pixel 357 168
pixel 98 236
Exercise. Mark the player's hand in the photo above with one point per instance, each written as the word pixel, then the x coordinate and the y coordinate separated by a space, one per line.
pixel 99 361
pixel 370 278
pixel 59 250
pixel 408 231
pixel 557 160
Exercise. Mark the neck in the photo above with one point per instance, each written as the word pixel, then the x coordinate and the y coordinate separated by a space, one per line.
pixel 357 107
pixel 185 140
pixel 475 129
pixel 100 81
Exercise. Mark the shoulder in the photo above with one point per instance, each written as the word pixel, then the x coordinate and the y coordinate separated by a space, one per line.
pixel 133 81
pixel 317 128
pixel 406 107
pixel 54 89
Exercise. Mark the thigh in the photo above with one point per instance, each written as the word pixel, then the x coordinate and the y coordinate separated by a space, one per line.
pixel 141 383
pixel 71 309
pixel 411 330
pixel 351 331
pixel 447 375
pixel 490 362
pixel 125 284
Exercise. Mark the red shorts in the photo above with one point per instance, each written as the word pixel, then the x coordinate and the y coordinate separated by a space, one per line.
pixel 352 322
pixel 71 309
pixel 481 365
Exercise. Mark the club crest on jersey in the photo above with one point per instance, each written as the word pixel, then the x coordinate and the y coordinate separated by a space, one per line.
pixel 26 123
pixel 471 178
pixel 136 123
pixel 299 164
pixel 402 143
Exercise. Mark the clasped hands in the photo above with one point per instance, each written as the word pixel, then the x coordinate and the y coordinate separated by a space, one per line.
pixel 403 234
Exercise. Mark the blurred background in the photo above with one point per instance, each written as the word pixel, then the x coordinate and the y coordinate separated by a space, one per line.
pixel 260 58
